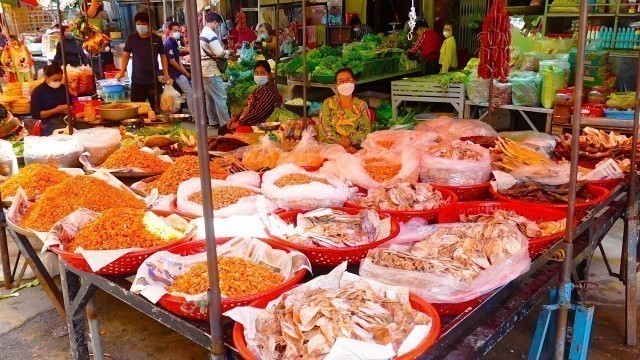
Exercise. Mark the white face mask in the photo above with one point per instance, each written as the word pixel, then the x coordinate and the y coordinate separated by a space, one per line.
pixel 142 29
pixel 261 79
pixel 447 34
pixel 176 35
pixel 346 89
pixel 55 84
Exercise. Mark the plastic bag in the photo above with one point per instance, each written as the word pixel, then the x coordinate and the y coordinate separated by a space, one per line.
pixel 263 155
pixel 282 116
pixel 352 167
pixel 250 178
pixel 8 158
pixel 61 151
pixel 100 142
pixel 245 206
pixel 622 100
pixel 306 196
pixel 305 153
pixel 444 171
pixel 477 88
pixel 170 100
pixel 538 141
pixel 398 140
pixel 564 65
pixel 526 89
pixel 555 174
pixel 553 79
pixel 501 94
pixel 451 129
pixel 439 288
pixel 247 56
pixel 314 109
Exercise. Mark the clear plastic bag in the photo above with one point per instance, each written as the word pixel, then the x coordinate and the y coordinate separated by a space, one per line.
pixel 451 129
pixel 443 171
pixel 245 206
pixel 8 158
pixel 445 289
pixel 477 88
pixel 171 100
pixel 305 153
pixel 501 94
pixel 398 140
pixel 263 155
pixel 526 88
pixel 100 142
pixel 538 141
pixel 564 65
pixel 62 151
pixel 306 196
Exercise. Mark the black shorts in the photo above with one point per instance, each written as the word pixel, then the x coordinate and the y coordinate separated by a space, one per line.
pixel 144 92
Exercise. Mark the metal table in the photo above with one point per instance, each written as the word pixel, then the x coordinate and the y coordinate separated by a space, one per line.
pixel 468 335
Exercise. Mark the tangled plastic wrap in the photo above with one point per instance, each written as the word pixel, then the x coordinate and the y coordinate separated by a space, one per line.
pixel 62 199
pixel 131 157
pixel 263 155
pixel 122 228
pixel 34 179
pixel 238 278
pixel 182 169
pixel 403 196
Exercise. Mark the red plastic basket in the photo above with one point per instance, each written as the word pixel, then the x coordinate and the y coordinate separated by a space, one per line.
pixel 416 302
pixel 403 216
pixel 110 74
pixel 125 265
pixel 598 195
pixel 456 308
pixel 533 213
pixel 477 192
pixel 331 257
pixel 179 306
pixel 609 184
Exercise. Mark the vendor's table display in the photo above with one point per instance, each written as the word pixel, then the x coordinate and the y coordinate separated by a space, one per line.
pixel 523 110
pixel 293 83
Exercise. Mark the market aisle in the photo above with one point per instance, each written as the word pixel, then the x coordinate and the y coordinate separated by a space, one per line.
pixel 131 335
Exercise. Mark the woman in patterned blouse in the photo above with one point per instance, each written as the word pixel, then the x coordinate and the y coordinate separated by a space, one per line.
pixel 261 102
pixel 344 119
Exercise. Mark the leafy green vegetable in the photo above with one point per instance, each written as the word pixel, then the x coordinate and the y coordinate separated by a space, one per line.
pixel 396 41
pixel 18 147
pixel 239 92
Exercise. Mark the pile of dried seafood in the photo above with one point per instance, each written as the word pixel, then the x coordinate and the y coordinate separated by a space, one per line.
pixel 455 151
pixel 335 228
pixel 381 170
pixel 403 196
pixel 298 179
pixel 530 229
pixel 34 179
pixel 306 324
pixel 596 145
pixel 531 191
pixel 509 155
pixel 223 196
pixel 461 251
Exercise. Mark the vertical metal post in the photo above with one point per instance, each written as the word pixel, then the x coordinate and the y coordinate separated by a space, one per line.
pixel 70 118
pixel 215 316
pixel 154 63
pixel 277 59
pixel 304 64
pixel 564 286
pixel 94 330
pixel 4 251
pixel 164 13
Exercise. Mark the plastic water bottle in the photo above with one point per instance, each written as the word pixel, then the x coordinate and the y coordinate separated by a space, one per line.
pixel 636 44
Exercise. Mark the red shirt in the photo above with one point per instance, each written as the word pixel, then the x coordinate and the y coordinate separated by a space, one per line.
pixel 429 45
pixel 245 34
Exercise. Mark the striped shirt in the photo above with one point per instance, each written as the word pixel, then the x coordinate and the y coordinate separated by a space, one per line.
pixel 260 105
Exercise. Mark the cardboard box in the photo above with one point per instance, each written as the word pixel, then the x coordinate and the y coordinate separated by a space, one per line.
pixel 591 57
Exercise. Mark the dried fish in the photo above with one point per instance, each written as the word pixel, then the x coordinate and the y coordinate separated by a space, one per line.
pixel 527 190
pixel 530 229
pixel 403 196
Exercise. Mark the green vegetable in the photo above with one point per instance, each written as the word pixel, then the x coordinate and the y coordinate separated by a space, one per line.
pixel 282 115
pixel 396 41
pixel 18 147
pixel 239 92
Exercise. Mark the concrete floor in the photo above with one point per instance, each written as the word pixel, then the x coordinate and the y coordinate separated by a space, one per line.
pixel 31 329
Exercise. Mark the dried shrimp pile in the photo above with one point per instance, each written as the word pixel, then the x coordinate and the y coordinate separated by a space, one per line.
pixel 530 229
pixel 306 324
pixel 381 170
pixel 60 200
pixel 238 277
pixel 223 196
pixel 183 169
pixel 509 155
pixel 34 179
pixel 403 196
pixel 459 251
pixel 334 228
pixel 124 229
pixel 298 179
pixel 536 192
pixel 131 157
pixel 454 152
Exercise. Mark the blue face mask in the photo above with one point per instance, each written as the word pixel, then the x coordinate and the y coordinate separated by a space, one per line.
pixel 68 35
pixel 265 36
pixel 142 29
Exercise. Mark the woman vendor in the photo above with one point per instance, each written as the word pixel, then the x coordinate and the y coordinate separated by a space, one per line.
pixel 73 53
pixel 261 102
pixel 49 100
pixel 267 42
pixel 344 119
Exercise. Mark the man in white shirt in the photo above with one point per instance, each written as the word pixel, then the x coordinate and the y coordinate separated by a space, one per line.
pixel 211 49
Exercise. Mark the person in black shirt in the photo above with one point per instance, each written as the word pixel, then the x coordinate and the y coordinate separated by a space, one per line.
pixel 49 100
pixel 73 53
pixel 145 69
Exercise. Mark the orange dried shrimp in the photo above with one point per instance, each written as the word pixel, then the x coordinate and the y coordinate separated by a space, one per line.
pixel 387 144
pixel 223 196
pixel 298 179
pixel 117 229
pixel 238 277
pixel 34 179
pixel 60 200
pixel 183 169
pixel 381 170
pixel 131 157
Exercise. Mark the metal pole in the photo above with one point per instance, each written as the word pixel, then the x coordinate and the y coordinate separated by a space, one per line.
pixel 564 285
pixel 154 63
pixel 70 118
pixel 277 59
pixel 215 315
pixel 164 13
pixel 94 330
pixel 304 64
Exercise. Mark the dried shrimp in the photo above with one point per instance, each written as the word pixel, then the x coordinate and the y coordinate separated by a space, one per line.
pixel 184 168
pixel 131 157
pixel 34 179
pixel 298 179
pixel 223 196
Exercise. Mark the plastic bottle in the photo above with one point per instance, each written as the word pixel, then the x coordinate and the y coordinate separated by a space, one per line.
pixel 89 112
pixel 618 39
pixel 636 44
pixel 590 33
pixel 627 39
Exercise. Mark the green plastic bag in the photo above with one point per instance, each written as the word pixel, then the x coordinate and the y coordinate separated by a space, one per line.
pixel 553 79
pixel 526 88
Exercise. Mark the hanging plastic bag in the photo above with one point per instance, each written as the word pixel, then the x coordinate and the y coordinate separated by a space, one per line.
pixel 61 151
pixel 8 158
pixel 263 155
pixel 247 56
pixel 305 153
pixel 322 190
pixel 398 140
pixel 526 89
pixel 553 79
pixel 100 142
pixel 442 164
pixel 170 100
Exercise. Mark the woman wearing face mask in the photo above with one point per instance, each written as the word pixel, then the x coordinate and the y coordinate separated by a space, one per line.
pixel 261 102
pixel 49 100
pixel 344 119
pixel 73 53
pixel 267 42
pixel 448 55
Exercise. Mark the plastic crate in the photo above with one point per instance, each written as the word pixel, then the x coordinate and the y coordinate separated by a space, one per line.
pixel 618 114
